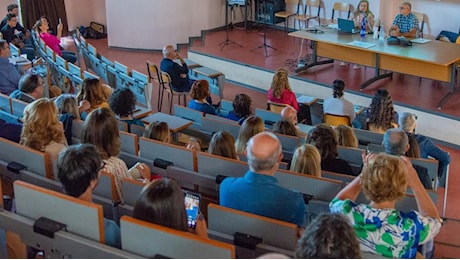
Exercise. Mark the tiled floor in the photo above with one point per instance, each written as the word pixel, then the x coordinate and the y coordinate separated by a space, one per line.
pixel 405 89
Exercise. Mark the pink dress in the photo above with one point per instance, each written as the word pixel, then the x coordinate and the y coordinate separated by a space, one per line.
pixel 287 97
pixel 51 41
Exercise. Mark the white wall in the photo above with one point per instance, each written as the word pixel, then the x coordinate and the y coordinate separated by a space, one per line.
pixel 83 12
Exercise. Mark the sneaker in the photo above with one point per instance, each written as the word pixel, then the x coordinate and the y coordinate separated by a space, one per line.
pixel 356 67
pixel 343 64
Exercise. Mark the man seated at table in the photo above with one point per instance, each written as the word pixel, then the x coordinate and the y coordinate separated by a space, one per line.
pixel 405 23
pixel 179 73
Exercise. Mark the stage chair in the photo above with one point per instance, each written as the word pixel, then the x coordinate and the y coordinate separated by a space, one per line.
pixel 275 107
pixel 171 93
pixel 421 20
pixel 137 237
pixel 335 120
pixel 269 235
pixel 340 7
pixel 307 14
pixel 288 13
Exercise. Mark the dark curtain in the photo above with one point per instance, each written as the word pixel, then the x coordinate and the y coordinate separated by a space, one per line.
pixel 31 10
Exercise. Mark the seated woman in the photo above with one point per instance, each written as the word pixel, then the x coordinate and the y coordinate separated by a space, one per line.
pixel 307 160
pixel 223 144
pixel 158 131
pixel 284 127
pixel 41 129
pixel 338 105
pixel 381 114
pixel 101 130
pixel 162 202
pixel 241 108
pixel 200 94
pixel 123 103
pixel 42 27
pixel 346 136
pixel 323 137
pixel 92 92
pixel 250 127
pixel 280 92
pixel 69 110
pixel 380 227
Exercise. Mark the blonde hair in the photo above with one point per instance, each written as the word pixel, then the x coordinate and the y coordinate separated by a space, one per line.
pixel 158 131
pixel 67 104
pixel 306 159
pixel 280 82
pixel 41 125
pixel 384 178
pixel 346 136
pixel 250 127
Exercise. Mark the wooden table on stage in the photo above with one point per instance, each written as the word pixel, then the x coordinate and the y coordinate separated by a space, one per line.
pixel 175 123
pixel 434 60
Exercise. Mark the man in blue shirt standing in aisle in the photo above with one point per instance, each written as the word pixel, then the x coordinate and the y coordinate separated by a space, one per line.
pixel 405 23
pixel 258 191
pixel 179 73
pixel 9 74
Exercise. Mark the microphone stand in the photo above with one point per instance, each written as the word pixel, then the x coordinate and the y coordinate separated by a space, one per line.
pixel 227 39
pixel 265 45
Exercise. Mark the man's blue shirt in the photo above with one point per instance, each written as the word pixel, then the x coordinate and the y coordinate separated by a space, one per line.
pixel 9 77
pixel 262 195
pixel 174 70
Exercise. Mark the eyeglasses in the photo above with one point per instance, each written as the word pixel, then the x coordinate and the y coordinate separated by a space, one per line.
pixel 402 7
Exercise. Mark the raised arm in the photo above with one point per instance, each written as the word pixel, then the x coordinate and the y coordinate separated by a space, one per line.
pixel 351 191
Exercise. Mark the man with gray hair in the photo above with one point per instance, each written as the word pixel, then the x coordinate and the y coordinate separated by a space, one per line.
pixel 396 142
pixel 179 73
pixel 258 191
pixel 407 122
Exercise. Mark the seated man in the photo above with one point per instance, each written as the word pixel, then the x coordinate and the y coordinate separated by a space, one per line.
pixel 427 148
pixel 78 169
pixel 30 88
pixel 9 74
pixel 290 114
pixel 179 73
pixel 14 33
pixel 405 23
pixel 258 192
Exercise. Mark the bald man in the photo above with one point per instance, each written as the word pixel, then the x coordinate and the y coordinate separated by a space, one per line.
pixel 258 191
pixel 290 114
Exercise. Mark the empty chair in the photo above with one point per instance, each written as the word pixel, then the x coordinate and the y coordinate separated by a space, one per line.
pixel 154 75
pixel 308 13
pixel 340 7
pixel 335 120
pixel 421 20
pixel 290 6
pixel 275 107
pixel 171 93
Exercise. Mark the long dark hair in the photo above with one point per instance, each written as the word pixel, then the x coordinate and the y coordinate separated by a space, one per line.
pixel 162 203
pixel 381 110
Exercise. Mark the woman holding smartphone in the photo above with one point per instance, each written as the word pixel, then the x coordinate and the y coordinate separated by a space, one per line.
pixel 162 202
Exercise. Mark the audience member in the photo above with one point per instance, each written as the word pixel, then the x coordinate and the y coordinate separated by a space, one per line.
pixel 158 131
pixel 30 88
pixel 407 122
pixel 405 23
pixel 54 41
pixel 258 192
pixel 68 110
pixel 284 127
pixel 241 108
pixel 14 33
pixel 307 160
pixel 11 130
pixel 9 74
pixel 123 103
pixel 290 114
pixel 381 228
pixel 11 9
pixel 250 127
pixel 92 91
pixel 346 136
pixel 101 130
pixel 223 144
pixel 338 105
pixel 162 202
pixel 42 130
pixel 78 169
pixel 179 73
pixel 323 137
pixel 381 115
pixel 200 97
pixel 396 143
pixel 328 236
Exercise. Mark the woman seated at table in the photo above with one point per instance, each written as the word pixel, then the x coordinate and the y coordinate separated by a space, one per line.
pixel 42 27
pixel 200 94
pixel 380 227
pixel 381 114
pixel 123 103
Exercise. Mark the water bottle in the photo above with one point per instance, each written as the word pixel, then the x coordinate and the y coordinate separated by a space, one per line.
pixel 382 33
pixel 363 27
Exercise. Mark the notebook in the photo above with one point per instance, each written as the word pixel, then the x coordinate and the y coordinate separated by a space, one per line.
pixel 346 26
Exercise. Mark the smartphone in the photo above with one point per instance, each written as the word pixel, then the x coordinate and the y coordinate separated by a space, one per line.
pixel 192 207
pixel 60 20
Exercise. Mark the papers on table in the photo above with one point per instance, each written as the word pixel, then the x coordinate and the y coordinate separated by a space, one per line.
pixel 420 40
pixel 333 26
pixel 307 100
pixel 360 44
